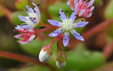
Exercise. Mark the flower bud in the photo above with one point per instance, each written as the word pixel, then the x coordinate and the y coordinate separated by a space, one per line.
pixel 45 53
pixel 61 59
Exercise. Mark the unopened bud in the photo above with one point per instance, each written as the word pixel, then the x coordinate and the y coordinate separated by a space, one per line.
pixel 61 59
pixel 45 53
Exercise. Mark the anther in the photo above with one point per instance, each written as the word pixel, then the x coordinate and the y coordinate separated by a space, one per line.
pixel 73 11
pixel 66 11
pixel 82 20
pixel 75 15
pixel 38 4
pixel 61 10
pixel 59 14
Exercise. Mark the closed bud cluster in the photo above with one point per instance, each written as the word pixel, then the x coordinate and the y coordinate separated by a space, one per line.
pixel 45 53
pixel 61 59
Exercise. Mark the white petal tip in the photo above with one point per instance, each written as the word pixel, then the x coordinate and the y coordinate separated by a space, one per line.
pixel 44 56
pixel 60 64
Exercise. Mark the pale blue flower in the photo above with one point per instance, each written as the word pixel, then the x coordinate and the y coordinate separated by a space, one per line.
pixel 67 26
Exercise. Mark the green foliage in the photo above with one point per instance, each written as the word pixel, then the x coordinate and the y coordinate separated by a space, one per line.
pixel 33 47
pixel 21 4
pixel 53 9
pixel 14 17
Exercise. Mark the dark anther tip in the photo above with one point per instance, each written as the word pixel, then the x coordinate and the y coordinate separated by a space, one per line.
pixel 38 4
pixel 82 20
pixel 59 14
pixel 61 10
pixel 66 11
pixel 73 11
pixel 75 15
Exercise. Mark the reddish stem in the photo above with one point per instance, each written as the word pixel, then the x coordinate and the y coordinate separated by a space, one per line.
pixel 93 31
pixel 23 59
pixel 108 49
pixel 6 11
pixel 55 39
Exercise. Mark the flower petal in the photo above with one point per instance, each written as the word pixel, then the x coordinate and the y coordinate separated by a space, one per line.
pixel 89 15
pixel 90 3
pixel 82 12
pixel 37 10
pixel 77 35
pixel 62 15
pixel 22 18
pixel 75 2
pixel 23 42
pixel 81 24
pixel 66 39
pixel 19 36
pixel 29 9
pixel 32 38
pixel 92 8
pixel 73 15
pixel 55 33
pixel 54 22
pixel 28 26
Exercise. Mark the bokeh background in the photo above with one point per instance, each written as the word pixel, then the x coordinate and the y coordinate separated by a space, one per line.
pixel 95 54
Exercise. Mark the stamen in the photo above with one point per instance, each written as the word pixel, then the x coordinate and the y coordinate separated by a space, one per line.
pixel 61 10
pixel 59 14
pixel 67 14
pixel 82 20
pixel 38 4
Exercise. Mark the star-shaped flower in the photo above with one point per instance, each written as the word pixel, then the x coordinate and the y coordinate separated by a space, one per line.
pixel 28 34
pixel 33 19
pixel 84 8
pixel 67 26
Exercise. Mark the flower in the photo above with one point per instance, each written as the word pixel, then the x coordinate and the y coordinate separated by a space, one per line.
pixel 33 19
pixel 67 26
pixel 45 53
pixel 84 9
pixel 28 34
pixel 61 59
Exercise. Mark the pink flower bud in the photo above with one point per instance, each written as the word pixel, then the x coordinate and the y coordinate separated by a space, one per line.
pixel 61 59
pixel 45 53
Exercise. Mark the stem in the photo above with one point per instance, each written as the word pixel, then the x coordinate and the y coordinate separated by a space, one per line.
pixel 6 11
pixel 93 31
pixel 108 49
pixel 23 59
pixel 55 39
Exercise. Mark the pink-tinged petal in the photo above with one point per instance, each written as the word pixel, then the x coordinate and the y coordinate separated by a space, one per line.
pixel 73 15
pixel 92 8
pixel 66 39
pixel 80 1
pixel 81 24
pixel 29 9
pixel 19 36
pixel 32 38
pixel 89 15
pixel 55 33
pixel 62 15
pixel 37 10
pixel 22 18
pixel 82 12
pixel 90 3
pixel 54 22
pixel 23 42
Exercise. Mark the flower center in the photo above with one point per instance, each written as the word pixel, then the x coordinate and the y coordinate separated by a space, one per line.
pixel 67 25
